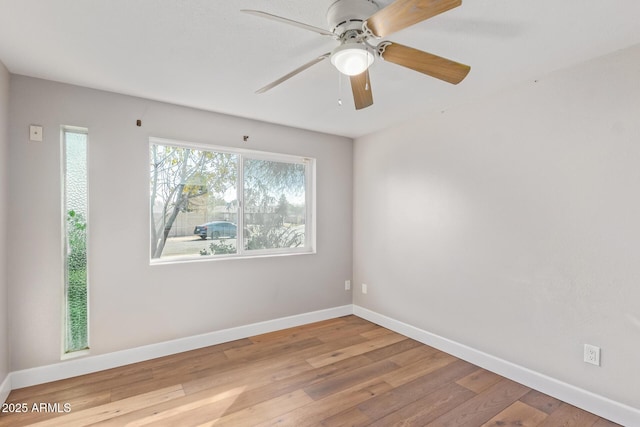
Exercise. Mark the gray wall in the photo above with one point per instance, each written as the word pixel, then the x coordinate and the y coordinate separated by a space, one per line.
pixel 4 188
pixel 512 225
pixel 131 302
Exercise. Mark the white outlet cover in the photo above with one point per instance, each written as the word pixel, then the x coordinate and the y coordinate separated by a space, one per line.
pixel 364 288
pixel 35 133
pixel 592 354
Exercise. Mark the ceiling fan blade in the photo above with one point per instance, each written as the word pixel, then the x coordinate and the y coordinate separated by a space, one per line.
pixel 361 88
pixel 423 62
pixel 404 13
pixel 293 73
pixel 289 21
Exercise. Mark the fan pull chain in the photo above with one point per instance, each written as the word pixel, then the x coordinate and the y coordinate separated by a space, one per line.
pixel 340 89
pixel 366 77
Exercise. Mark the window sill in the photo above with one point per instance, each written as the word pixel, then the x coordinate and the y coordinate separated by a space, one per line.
pixel 200 258
pixel 75 354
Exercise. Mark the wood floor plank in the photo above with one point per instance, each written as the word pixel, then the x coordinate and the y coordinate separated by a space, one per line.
pixel 349 379
pixel 260 374
pixel 479 381
pixel 392 350
pixel 339 372
pixel 110 410
pixel 184 356
pixel 413 355
pixel 77 403
pixel 311 328
pixel 484 406
pixel 166 371
pixel 405 394
pixel 349 418
pixel 427 408
pixel 299 381
pixel 266 349
pixel 337 332
pixel 354 350
pixel 260 370
pixel 315 412
pixel 569 416
pixel 540 401
pixel 219 373
pixel 325 331
pixel 216 403
pixel 265 410
pixel 81 385
pixel 190 364
pixel 376 333
pixel 430 363
pixel 605 423
pixel 517 414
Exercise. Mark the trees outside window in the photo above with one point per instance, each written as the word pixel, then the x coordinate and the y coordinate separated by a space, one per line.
pixel 267 187
pixel 217 201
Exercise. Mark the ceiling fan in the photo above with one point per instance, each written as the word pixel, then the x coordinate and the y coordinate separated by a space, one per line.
pixel 357 24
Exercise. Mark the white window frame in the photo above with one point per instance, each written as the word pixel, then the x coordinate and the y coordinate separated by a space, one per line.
pixel 242 153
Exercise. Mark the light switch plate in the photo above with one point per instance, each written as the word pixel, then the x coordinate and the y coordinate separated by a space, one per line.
pixel 35 133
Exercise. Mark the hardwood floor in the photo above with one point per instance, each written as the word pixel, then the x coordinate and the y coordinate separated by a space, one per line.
pixel 339 372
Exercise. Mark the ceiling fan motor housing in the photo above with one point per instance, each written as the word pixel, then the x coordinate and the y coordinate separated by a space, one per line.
pixel 345 15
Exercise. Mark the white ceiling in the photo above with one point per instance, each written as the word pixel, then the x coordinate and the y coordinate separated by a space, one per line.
pixel 207 54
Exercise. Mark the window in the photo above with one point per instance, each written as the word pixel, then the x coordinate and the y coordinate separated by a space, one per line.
pixel 75 209
pixel 215 202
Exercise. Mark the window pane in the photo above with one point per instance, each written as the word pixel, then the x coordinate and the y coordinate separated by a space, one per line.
pixel 75 201
pixel 194 206
pixel 275 210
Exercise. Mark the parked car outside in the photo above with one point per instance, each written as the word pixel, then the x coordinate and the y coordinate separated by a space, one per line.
pixel 216 230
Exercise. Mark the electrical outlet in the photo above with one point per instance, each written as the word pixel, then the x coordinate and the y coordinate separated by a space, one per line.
pixel 347 285
pixel 364 288
pixel 592 354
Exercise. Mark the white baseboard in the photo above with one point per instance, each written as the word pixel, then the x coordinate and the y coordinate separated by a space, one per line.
pixel 86 365
pixel 599 405
pixel 5 388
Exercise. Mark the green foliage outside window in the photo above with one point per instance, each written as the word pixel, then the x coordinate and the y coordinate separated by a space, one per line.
pixel 76 282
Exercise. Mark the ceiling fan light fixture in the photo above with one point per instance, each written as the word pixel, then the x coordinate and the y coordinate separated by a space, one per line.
pixel 352 58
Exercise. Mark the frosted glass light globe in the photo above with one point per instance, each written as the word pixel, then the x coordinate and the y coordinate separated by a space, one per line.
pixel 352 59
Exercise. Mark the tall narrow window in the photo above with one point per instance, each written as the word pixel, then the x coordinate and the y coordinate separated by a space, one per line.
pixel 74 148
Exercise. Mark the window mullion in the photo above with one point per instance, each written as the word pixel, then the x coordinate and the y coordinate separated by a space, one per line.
pixel 309 203
pixel 240 197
